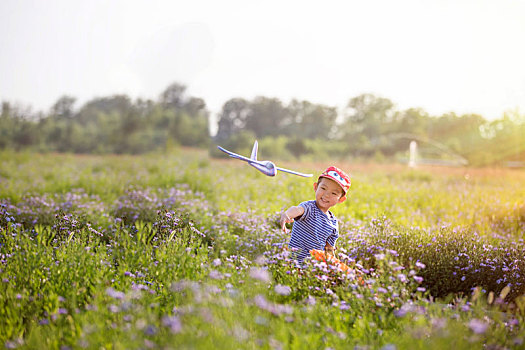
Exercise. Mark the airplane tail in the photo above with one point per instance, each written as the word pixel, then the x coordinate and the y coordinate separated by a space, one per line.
pixel 254 150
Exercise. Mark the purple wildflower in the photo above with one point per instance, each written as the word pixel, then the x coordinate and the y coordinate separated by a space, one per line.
pixel 402 277
pixel 150 330
pixel 240 333
pixel 478 326
pixel 113 308
pixel 439 323
pixel 261 302
pixel 282 290
pixel 114 293
pixel 173 323
pixel 216 275
pixel 260 274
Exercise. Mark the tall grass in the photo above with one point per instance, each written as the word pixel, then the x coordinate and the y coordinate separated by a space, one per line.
pixel 180 251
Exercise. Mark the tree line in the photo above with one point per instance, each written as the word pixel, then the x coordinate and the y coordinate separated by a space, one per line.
pixel 367 127
pixel 114 124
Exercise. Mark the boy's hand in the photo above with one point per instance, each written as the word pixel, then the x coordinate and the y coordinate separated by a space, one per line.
pixel 284 220
pixel 328 249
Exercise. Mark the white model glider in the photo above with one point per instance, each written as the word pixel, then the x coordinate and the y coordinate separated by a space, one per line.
pixel 264 166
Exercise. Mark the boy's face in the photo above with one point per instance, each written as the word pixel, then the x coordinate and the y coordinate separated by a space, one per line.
pixel 328 193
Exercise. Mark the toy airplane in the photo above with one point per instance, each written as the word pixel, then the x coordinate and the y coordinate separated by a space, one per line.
pixel 264 166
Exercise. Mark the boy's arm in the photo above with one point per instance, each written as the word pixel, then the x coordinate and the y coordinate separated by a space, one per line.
pixel 290 214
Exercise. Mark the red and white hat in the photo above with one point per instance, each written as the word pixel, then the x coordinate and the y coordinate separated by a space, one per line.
pixel 339 176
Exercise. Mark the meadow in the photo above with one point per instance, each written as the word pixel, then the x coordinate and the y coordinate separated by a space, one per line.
pixel 180 251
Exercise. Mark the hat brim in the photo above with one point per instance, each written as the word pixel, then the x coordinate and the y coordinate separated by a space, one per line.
pixel 333 179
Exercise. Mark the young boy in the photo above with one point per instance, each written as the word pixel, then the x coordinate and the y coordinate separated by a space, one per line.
pixel 315 227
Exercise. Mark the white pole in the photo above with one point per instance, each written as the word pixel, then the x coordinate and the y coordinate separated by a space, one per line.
pixel 413 154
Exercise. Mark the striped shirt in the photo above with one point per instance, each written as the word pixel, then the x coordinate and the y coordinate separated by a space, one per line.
pixel 312 230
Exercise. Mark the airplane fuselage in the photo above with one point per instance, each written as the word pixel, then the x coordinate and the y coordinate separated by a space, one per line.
pixel 265 166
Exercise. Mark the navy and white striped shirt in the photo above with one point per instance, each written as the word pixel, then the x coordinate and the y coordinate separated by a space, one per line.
pixel 313 230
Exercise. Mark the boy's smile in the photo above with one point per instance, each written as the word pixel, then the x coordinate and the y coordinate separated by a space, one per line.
pixel 327 194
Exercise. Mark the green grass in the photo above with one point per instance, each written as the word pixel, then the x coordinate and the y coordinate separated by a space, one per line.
pixel 180 251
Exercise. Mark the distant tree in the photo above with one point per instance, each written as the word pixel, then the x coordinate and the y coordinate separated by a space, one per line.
pixel 186 117
pixel 504 140
pixel 367 117
pixel 6 109
pixel 173 96
pixel 195 107
pixel 144 107
pixel 27 134
pixel 63 107
pixel 308 120
pixel 18 126
pixel 118 104
pixel 368 114
pixel 190 130
pixel 6 125
pixel 297 146
pixel 405 126
pixel 459 133
pixel 232 119
pixel 268 117
pixel 413 121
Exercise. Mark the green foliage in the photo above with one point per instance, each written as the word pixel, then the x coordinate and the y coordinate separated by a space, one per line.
pixel 177 250
pixel 369 127
pixel 109 125
pixel 276 148
pixel 471 259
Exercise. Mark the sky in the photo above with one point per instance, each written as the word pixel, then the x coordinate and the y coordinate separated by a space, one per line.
pixel 462 56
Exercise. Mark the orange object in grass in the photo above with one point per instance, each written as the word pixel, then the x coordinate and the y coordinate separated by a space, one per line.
pixel 320 255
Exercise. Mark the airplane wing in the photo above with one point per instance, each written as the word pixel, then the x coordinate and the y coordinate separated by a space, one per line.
pixel 252 161
pixel 294 172
pixel 235 155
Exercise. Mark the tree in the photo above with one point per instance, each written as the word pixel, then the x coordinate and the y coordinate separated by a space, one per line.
pixel 63 107
pixel 504 140
pixel 412 121
pixel 195 106
pixel 232 119
pixel 459 133
pixel 190 130
pixel 310 120
pixel 118 104
pixel 367 118
pixel 268 117
pixel 368 114
pixel 173 96
pixel 6 125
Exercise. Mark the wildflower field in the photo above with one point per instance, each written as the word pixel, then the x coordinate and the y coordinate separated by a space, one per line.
pixel 180 251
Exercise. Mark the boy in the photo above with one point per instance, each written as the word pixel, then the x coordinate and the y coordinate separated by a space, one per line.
pixel 315 227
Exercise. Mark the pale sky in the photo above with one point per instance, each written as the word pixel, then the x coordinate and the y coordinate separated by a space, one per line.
pixel 442 55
